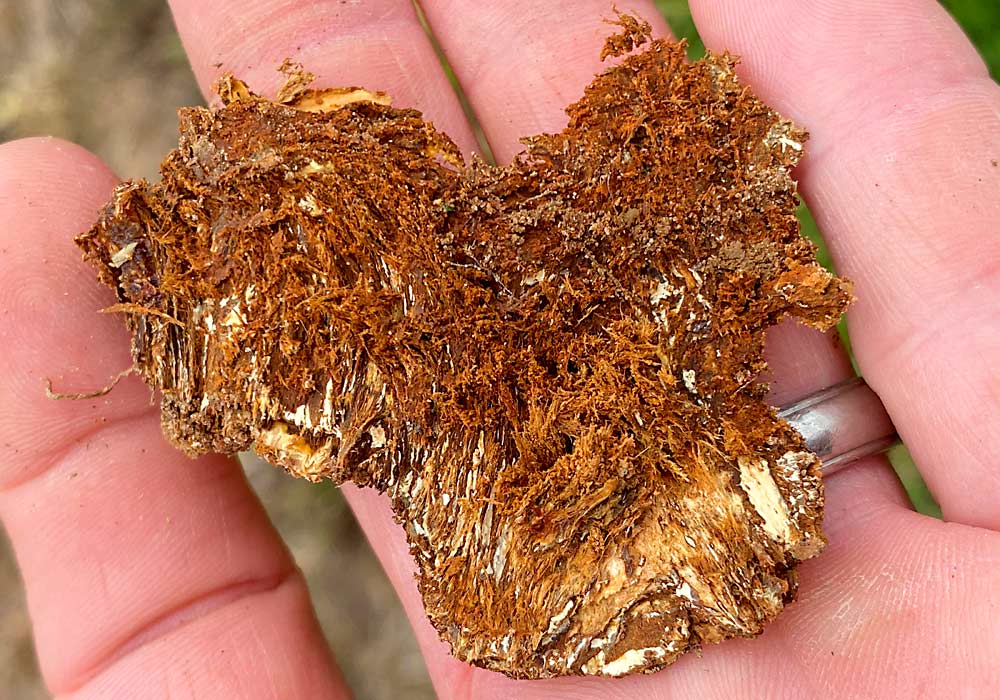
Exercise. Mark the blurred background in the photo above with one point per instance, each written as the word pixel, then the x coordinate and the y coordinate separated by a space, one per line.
pixel 110 74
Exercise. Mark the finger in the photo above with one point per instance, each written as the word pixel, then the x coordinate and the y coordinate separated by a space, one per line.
pixel 379 45
pixel 538 58
pixel 801 360
pixel 903 178
pixel 148 574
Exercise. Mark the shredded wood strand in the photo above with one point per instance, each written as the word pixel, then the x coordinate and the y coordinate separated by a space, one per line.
pixel 548 366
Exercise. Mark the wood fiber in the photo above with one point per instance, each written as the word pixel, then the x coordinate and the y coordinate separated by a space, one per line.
pixel 548 366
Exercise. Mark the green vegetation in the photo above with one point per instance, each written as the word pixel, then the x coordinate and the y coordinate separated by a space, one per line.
pixel 979 18
pixel 981 22
pixel 678 16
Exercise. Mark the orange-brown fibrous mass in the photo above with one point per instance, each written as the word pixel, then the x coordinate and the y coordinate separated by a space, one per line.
pixel 548 366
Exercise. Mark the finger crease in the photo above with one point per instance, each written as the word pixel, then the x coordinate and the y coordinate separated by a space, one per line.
pixel 183 615
pixel 50 459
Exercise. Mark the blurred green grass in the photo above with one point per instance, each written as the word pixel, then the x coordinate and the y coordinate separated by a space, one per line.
pixel 980 19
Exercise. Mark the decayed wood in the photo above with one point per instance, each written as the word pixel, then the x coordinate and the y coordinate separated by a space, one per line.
pixel 549 366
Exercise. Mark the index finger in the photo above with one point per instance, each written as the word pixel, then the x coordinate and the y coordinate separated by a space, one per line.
pixel 378 45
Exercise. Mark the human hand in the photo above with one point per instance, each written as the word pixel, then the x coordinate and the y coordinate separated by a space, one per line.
pixel 152 575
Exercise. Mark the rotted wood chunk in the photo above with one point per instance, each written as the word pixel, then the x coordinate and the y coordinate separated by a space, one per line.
pixel 548 366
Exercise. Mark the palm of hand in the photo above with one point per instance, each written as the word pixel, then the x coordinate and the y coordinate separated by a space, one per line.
pixel 902 176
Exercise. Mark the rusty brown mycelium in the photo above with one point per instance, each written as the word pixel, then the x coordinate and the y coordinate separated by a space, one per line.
pixel 548 366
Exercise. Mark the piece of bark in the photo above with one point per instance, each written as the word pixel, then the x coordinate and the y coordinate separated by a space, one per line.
pixel 548 366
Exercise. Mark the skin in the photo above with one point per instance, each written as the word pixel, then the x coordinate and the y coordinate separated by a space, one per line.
pixel 150 575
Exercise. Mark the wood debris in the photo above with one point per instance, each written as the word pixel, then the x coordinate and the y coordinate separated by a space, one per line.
pixel 548 366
